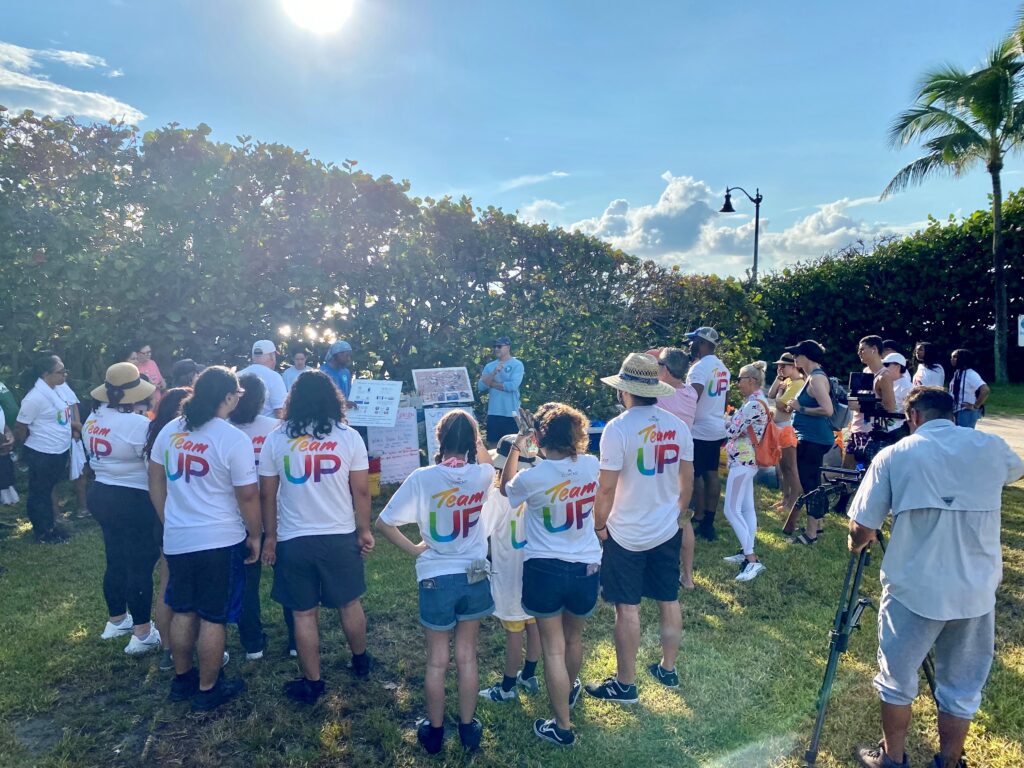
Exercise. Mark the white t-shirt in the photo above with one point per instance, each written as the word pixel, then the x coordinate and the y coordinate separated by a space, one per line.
pixel 314 497
pixel 277 392
pixel 447 504
pixel 901 388
pixel 507 532
pixel 257 431
pixel 711 373
pixel 928 377
pixel 203 468
pixel 559 497
pixel 645 445
pixel 115 442
pixel 47 413
pixel 972 382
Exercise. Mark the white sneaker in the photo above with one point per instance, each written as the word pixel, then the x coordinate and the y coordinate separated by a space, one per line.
pixel 739 557
pixel 227 658
pixel 118 630
pixel 140 645
pixel 255 656
pixel 751 571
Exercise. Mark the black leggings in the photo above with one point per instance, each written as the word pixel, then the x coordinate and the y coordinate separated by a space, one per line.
pixel 45 470
pixel 127 518
pixel 808 466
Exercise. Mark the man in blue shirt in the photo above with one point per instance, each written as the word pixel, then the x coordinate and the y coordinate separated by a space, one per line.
pixel 500 380
pixel 336 365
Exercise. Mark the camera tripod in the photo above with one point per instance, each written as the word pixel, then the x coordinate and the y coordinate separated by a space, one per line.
pixel 837 484
pixel 851 606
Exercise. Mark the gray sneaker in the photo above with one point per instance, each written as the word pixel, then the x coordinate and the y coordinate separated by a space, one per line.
pixel 875 757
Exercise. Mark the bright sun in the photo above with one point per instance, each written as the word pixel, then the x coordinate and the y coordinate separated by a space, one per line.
pixel 320 16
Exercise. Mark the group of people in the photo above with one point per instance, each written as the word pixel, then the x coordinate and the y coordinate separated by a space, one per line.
pixel 234 471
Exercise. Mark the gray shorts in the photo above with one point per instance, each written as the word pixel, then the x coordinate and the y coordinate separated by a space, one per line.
pixel 964 649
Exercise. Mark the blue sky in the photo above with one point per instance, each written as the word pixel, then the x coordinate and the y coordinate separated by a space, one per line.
pixel 624 120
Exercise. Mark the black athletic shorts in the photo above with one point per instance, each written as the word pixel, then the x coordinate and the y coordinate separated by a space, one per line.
pixel 322 570
pixel 209 583
pixel 499 426
pixel 707 455
pixel 628 576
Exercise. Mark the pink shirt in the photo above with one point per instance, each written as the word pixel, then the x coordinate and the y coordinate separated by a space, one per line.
pixel 682 404
pixel 150 370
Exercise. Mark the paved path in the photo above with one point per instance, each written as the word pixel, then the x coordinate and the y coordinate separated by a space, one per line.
pixel 1010 428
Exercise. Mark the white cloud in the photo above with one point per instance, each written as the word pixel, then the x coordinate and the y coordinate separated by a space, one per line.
pixel 529 180
pixel 683 228
pixel 540 211
pixel 21 88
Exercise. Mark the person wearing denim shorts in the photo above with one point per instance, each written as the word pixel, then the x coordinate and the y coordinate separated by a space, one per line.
pixel 446 502
pixel 561 568
pixel 943 485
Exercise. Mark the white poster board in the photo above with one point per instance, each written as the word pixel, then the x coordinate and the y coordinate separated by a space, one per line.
pixel 438 386
pixel 431 416
pixel 397 446
pixel 376 403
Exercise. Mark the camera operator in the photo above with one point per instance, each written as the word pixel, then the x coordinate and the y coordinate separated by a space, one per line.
pixel 864 430
pixel 943 486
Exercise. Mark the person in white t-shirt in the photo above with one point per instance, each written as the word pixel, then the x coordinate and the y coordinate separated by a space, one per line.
pixel 968 389
pixel 264 360
pixel 710 377
pixel 45 425
pixel 561 572
pixel 202 480
pixel 446 501
pixel 929 371
pixel 248 418
pixel 115 436
pixel 642 499
pixel 315 487
pixel 298 367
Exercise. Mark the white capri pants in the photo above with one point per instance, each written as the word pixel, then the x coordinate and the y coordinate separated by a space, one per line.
pixel 739 505
pixel 964 649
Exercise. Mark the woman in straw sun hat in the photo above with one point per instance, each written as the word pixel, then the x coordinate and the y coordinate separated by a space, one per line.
pixel 115 437
pixel 643 492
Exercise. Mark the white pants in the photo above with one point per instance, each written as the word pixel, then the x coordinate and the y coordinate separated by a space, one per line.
pixel 739 505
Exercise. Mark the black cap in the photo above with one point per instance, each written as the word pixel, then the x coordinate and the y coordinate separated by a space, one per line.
pixel 808 348
pixel 503 341
pixel 184 368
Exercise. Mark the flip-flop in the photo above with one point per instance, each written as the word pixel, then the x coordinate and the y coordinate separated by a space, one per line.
pixel 804 539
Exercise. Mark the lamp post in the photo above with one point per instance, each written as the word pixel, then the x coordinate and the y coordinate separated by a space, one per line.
pixel 756 200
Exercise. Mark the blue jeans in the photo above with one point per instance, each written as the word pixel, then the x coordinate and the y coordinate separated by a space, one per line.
pixel 967 418
pixel 448 599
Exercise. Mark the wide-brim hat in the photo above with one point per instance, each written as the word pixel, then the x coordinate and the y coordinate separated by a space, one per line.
pixel 126 377
pixel 500 454
pixel 785 359
pixel 639 376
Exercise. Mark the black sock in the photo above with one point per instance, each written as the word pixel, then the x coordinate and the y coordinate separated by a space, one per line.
pixel 507 683
pixel 359 660
pixel 529 669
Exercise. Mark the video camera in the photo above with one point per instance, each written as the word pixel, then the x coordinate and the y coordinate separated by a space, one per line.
pixel 862 389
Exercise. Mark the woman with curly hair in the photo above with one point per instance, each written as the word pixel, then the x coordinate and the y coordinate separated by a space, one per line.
pixel 562 554
pixel 315 489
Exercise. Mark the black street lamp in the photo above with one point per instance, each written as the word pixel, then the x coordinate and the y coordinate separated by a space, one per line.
pixel 756 200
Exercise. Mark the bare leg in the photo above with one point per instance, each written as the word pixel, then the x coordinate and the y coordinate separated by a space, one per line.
pixel 895 722
pixel 532 642
pixel 572 630
pixel 686 556
pixel 556 674
pixel 712 490
pixel 211 653
pixel 163 610
pixel 437 667
pixel 671 632
pixel 697 500
pixel 184 631
pixel 952 735
pixel 513 652
pixel 791 489
pixel 627 642
pixel 307 642
pixel 353 622
pixel 466 663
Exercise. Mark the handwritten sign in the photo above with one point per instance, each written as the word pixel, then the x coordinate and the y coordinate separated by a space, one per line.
pixel 438 386
pixel 376 403
pixel 431 417
pixel 397 446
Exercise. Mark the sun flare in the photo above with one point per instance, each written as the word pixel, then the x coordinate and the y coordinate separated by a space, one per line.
pixel 320 16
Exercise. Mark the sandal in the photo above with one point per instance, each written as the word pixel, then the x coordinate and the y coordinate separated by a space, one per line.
pixel 803 538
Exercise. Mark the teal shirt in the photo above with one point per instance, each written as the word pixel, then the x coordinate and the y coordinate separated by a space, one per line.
pixel 812 429
pixel 505 401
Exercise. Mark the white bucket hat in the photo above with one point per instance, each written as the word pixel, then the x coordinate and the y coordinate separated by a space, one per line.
pixel 639 376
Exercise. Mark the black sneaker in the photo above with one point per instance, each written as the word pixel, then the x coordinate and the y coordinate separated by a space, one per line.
pixel 304 691
pixel 876 757
pixel 549 731
pixel 574 694
pixel 471 733
pixel 363 668
pixel 223 692
pixel 183 687
pixel 431 739
pixel 707 531
pixel 611 689
pixel 663 676
pixel 940 762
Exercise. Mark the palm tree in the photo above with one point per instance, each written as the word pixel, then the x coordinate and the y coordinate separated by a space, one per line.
pixel 963 118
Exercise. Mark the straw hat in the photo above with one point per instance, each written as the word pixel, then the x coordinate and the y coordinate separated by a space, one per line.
pixel 124 376
pixel 639 376
pixel 500 454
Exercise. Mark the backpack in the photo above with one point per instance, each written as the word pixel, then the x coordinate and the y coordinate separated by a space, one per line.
pixel 840 397
pixel 767 452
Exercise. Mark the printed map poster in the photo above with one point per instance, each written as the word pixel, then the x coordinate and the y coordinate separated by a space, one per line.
pixel 431 416
pixel 438 386
pixel 376 402
pixel 397 446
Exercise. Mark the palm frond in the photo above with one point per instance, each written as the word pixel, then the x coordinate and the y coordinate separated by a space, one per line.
pixel 945 84
pixel 958 151
pixel 915 173
pixel 922 120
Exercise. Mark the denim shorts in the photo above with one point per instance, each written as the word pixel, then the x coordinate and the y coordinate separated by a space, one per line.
pixel 552 586
pixel 448 599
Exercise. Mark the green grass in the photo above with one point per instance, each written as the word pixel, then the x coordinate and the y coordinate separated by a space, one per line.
pixel 751 662
pixel 1005 400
